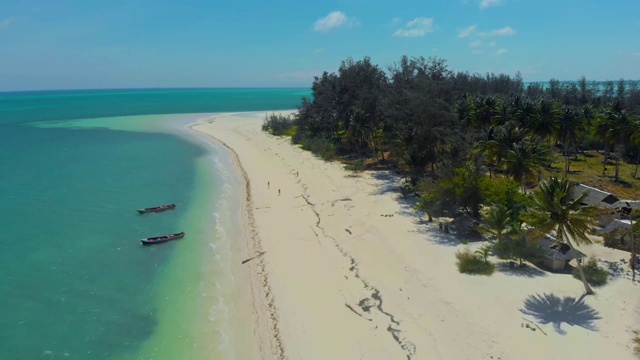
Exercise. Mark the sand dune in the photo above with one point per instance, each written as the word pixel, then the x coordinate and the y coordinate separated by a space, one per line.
pixel 351 272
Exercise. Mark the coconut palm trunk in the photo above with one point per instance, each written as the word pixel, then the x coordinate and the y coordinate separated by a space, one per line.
pixel 566 157
pixel 587 289
pixel 618 156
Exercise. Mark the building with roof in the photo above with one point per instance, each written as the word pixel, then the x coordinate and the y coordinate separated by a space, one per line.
pixel 557 255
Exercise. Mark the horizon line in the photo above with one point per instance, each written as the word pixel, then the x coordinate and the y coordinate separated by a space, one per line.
pixel 251 87
pixel 156 88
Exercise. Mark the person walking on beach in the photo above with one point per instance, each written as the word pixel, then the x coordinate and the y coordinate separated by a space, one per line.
pixel 268 185
pixel 278 192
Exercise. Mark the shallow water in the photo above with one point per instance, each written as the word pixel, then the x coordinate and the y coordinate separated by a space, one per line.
pixel 76 283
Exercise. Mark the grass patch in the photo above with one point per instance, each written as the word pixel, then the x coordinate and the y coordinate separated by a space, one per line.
pixel 595 275
pixel 587 169
pixel 291 131
pixel 636 342
pixel 470 263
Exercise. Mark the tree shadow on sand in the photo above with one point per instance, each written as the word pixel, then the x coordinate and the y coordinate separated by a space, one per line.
pixel 526 271
pixel 549 308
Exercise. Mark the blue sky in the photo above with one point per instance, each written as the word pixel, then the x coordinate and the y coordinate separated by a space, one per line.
pixel 70 44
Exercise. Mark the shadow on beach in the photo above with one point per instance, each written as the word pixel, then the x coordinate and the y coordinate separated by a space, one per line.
pixel 526 271
pixel 549 308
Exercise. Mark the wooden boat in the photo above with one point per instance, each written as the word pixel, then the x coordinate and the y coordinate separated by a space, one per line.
pixel 162 239
pixel 157 209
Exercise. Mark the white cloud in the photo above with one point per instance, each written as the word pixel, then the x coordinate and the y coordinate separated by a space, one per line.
pixel 489 3
pixel 416 28
pixel 492 44
pixel 467 32
pixel 396 21
pixel 334 20
pixel 6 22
pixel 476 43
pixel 501 52
pixel 318 50
pixel 505 31
pixel 637 54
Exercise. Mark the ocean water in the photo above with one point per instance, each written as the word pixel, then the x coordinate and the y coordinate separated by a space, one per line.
pixel 75 281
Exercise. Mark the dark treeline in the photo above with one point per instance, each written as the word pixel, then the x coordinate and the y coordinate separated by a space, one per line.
pixel 451 131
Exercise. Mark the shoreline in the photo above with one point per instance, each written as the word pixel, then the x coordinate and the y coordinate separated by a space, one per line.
pixel 269 342
pixel 361 276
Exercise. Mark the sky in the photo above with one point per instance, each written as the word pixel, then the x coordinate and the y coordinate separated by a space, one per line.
pixel 91 44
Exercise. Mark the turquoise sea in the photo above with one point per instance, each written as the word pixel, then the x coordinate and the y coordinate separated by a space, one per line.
pixel 75 282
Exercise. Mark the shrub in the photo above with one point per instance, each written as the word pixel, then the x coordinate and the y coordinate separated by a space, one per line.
pixel 319 146
pixel 595 275
pixel 518 248
pixel 469 263
pixel 504 192
pixel 277 124
pixel 503 249
pixel 636 341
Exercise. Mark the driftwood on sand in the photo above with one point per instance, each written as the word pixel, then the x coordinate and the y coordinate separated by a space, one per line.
pixel 251 258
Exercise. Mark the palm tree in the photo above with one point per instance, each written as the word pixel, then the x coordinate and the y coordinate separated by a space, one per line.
pixel 504 139
pixel 602 128
pixel 635 140
pixel 489 148
pixel 498 222
pixel 543 122
pixel 556 208
pixel 526 158
pixel 621 131
pixel 525 111
pixel 483 111
pixel 569 126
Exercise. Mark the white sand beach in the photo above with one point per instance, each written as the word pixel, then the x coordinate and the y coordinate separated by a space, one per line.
pixel 350 271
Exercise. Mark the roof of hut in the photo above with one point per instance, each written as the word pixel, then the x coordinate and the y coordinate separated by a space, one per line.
pixel 595 197
pixel 555 249
pixel 615 224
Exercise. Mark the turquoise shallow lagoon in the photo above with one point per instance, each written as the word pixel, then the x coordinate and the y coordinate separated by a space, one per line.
pixel 76 283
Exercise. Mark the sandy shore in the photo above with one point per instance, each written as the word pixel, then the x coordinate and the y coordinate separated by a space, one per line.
pixel 349 271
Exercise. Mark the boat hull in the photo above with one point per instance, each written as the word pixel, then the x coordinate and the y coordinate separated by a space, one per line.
pixel 156 209
pixel 161 239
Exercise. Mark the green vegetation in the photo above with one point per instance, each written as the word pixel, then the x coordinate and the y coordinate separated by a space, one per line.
pixel 279 125
pixel 470 263
pixel 519 249
pixel 319 146
pixel 554 209
pixel 473 143
pixel 594 274
pixel 426 121
pixel 636 341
